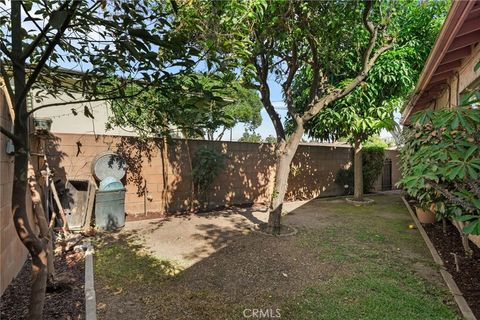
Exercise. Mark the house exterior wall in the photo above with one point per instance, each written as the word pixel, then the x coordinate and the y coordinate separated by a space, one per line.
pixel 459 82
pixel 65 121
pixel 166 170
pixel 12 251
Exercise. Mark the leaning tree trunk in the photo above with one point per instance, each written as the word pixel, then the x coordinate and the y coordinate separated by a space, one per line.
pixel 358 171
pixel 36 246
pixel 285 152
pixel 45 232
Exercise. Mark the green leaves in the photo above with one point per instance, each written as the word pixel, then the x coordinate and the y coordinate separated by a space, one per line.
pixel 208 164
pixel 369 108
pixel 441 162
pixel 473 227
pixel 208 102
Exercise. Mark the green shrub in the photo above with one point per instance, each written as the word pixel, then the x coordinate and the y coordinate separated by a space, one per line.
pixel 373 157
pixel 208 163
pixel 441 163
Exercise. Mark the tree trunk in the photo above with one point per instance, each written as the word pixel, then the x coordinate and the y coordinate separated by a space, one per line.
pixel 35 245
pixel 45 233
pixel 284 152
pixel 358 171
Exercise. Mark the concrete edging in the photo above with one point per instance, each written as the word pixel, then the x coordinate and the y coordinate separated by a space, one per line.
pixel 90 299
pixel 447 277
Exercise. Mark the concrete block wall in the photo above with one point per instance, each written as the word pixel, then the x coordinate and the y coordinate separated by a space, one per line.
pixel 165 170
pixel 12 251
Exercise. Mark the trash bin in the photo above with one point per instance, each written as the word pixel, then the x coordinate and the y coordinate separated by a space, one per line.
pixel 109 169
pixel 110 209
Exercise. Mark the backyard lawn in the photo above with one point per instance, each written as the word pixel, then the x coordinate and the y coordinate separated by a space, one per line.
pixel 345 262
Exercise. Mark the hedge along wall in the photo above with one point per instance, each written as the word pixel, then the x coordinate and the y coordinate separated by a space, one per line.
pixel 165 170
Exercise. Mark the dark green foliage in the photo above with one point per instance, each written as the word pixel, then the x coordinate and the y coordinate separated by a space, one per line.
pixel 250 137
pixel 208 102
pixel 373 158
pixel 441 163
pixel 208 163
pixel 368 108
pixel 270 139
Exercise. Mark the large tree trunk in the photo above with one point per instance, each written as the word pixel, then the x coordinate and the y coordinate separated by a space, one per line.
pixel 35 245
pixel 285 152
pixel 358 171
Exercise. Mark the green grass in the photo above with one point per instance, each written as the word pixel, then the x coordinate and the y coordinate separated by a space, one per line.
pixel 379 292
pixel 374 278
pixel 123 262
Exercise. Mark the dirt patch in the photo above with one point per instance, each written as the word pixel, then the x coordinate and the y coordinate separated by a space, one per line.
pixel 467 278
pixel 253 270
pixel 64 301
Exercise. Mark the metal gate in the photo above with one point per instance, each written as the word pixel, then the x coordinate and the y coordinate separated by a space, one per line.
pixel 387 175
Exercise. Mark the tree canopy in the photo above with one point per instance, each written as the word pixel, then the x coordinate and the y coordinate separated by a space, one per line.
pixel 370 106
pixel 195 105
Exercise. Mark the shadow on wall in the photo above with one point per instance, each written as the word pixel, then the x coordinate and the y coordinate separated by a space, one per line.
pixel 57 158
pixel 159 174
pixel 314 170
pixel 245 179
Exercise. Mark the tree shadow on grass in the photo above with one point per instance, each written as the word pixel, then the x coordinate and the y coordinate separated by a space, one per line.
pixel 133 264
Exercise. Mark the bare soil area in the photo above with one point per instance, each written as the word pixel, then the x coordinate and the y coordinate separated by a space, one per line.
pixel 468 276
pixel 66 300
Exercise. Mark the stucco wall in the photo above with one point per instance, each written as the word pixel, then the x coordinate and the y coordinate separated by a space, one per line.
pixel 64 120
pixel 166 170
pixel 458 82
pixel 12 251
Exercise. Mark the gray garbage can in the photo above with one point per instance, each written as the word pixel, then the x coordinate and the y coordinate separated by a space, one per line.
pixel 110 209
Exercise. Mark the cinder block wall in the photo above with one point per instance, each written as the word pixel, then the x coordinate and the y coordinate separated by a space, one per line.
pixel 12 251
pixel 165 170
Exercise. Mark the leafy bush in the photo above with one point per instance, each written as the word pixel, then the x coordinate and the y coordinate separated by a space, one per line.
pixel 373 157
pixel 208 163
pixel 441 163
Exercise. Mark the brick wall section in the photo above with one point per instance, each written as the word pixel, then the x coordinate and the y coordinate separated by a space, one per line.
pixel 166 170
pixel 12 251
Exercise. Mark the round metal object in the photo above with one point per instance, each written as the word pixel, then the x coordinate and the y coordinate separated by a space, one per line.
pixel 110 184
pixel 108 164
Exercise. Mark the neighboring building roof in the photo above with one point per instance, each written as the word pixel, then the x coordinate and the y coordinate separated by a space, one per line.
pixel 459 33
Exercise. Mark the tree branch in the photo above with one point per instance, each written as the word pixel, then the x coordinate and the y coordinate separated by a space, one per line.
pixel 316 69
pixel 46 55
pixel 43 31
pixel 86 101
pixel 292 64
pixel 475 187
pixel 450 196
pixel 5 50
pixel 11 136
pixel 262 71
pixel 368 62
